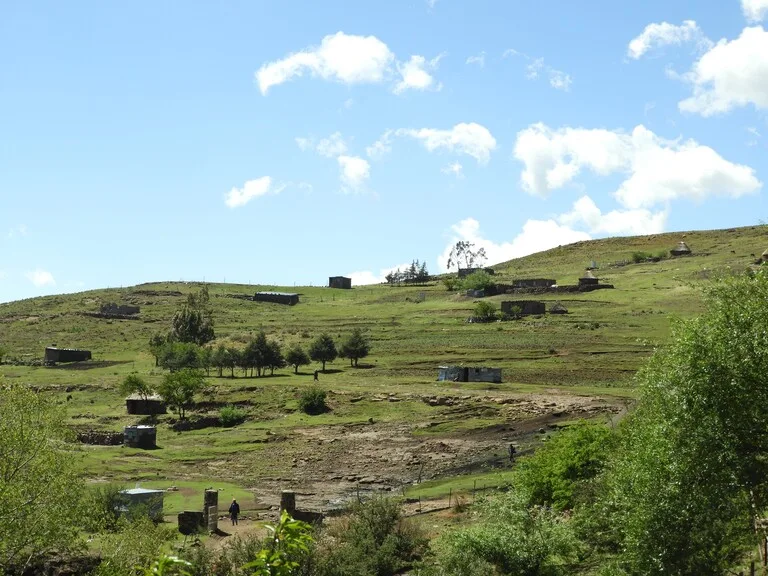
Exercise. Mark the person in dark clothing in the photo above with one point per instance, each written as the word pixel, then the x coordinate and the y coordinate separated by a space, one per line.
pixel 234 510
pixel 316 378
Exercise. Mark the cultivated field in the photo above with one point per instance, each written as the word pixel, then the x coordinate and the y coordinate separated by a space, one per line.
pixel 391 423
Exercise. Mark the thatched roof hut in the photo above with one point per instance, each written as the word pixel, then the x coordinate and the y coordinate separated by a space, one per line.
pixel 558 308
pixel 588 279
pixel 681 249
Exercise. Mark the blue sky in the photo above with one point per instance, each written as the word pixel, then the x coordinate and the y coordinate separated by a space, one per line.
pixel 283 142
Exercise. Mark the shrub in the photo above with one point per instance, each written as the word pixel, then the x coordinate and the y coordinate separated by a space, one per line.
pixel 231 415
pixel 485 311
pixel 638 257
pixel 450 283
pixel 479 280
pixel 312 401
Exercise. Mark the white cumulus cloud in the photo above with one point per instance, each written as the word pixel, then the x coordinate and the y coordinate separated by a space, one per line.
pixel 732 74
pixel 350 59
pixel 661 34
pixel 415 74
pixel 536 235
pixel 471 139
pixel 754 10
pixel 40 278
pixel 365 277
pixel 657 170
pixel 616 222
pixel 251 189
pixel 355 172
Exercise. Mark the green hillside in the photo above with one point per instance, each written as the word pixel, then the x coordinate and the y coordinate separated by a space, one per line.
pixel 556 368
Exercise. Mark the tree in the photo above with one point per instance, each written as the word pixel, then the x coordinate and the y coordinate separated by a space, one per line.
pixel 354 347
pixel 178 355
pixel 205 359
pixel 275 357
pixel 234 359
pixel 322 349
pixel 178 389
pixel 219 359
pixel 135 384
pixel 194 321
pixel 41 491
pixel 156 344
pixel 297 357
pixel 693 452
pixel 463 252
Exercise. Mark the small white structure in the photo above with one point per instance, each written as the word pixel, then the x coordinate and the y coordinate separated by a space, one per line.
pixel 143 499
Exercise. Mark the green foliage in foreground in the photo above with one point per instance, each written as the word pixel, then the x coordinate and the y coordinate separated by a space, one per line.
pixel 231 415
pixel 690 477
pixel 40 491
pixel 485 311
pixel 285 550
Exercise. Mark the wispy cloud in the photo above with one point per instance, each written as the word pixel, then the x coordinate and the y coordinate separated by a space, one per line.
pixel 537 68
pixel 454 169
pixel 40 278
pixel 263 186
pixel 17 231
pixel 479 59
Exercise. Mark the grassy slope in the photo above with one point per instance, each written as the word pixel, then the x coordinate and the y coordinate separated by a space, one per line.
pixel 593 350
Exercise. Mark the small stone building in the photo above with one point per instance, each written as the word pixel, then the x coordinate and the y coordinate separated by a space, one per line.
pixel 143 498
pixel 340 282
pixel 149 406
pixel 534 283
pixel 466 374
pixel 288 298
pixel 526 307
pixel 588 279
pixel 681 249
pixel 140 436
pixel 464 272
pixel 54 355
pixel 119 309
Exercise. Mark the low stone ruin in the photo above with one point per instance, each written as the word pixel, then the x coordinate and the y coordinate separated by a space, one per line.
pixel 193 522
pixel 100 438
pixel 288 503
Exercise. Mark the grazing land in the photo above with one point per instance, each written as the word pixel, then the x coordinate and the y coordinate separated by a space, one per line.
pixel 391 427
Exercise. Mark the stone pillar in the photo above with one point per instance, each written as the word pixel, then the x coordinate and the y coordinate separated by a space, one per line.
pixel 288 501
pixel 211 504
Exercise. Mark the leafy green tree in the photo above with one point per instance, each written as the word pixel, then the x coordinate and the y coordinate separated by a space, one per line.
pixel 297 357
pixel 485 311
pixel 41 502
pixel 551 476
pixel 690 477
pixel 354 347
pixel 219 359
pixel 275 357
pixel 464 252
pixel 479 280
pixel 234 359
pixel 178 355
pixel 194 321
pixel 156 345
pixel 135 384
pixel 205 359
pixel 178 389
pixel 323 349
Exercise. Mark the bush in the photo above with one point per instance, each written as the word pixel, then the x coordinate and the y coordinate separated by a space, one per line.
pixel 638 257
pixel 312 401
pixel 450 283
pixel 485 311
pixel 231 415
pixel 479 280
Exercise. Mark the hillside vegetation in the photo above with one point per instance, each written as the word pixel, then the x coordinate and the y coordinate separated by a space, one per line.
pixel 389 422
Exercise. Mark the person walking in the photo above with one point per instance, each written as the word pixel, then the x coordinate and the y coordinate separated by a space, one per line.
pixel 234 510
pixel 316 378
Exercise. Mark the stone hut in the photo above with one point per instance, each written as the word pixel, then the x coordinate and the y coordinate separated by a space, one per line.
pixel 149 406
pixel 466 374
pixel 144 498
pixel 558 308
pixel 140 436
pixel 526 307
pixel 588 279
pixel 119 309
pixel 288 298
pixel 681 249
pixel 464 272
pixel 340 282
pixel 55 355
